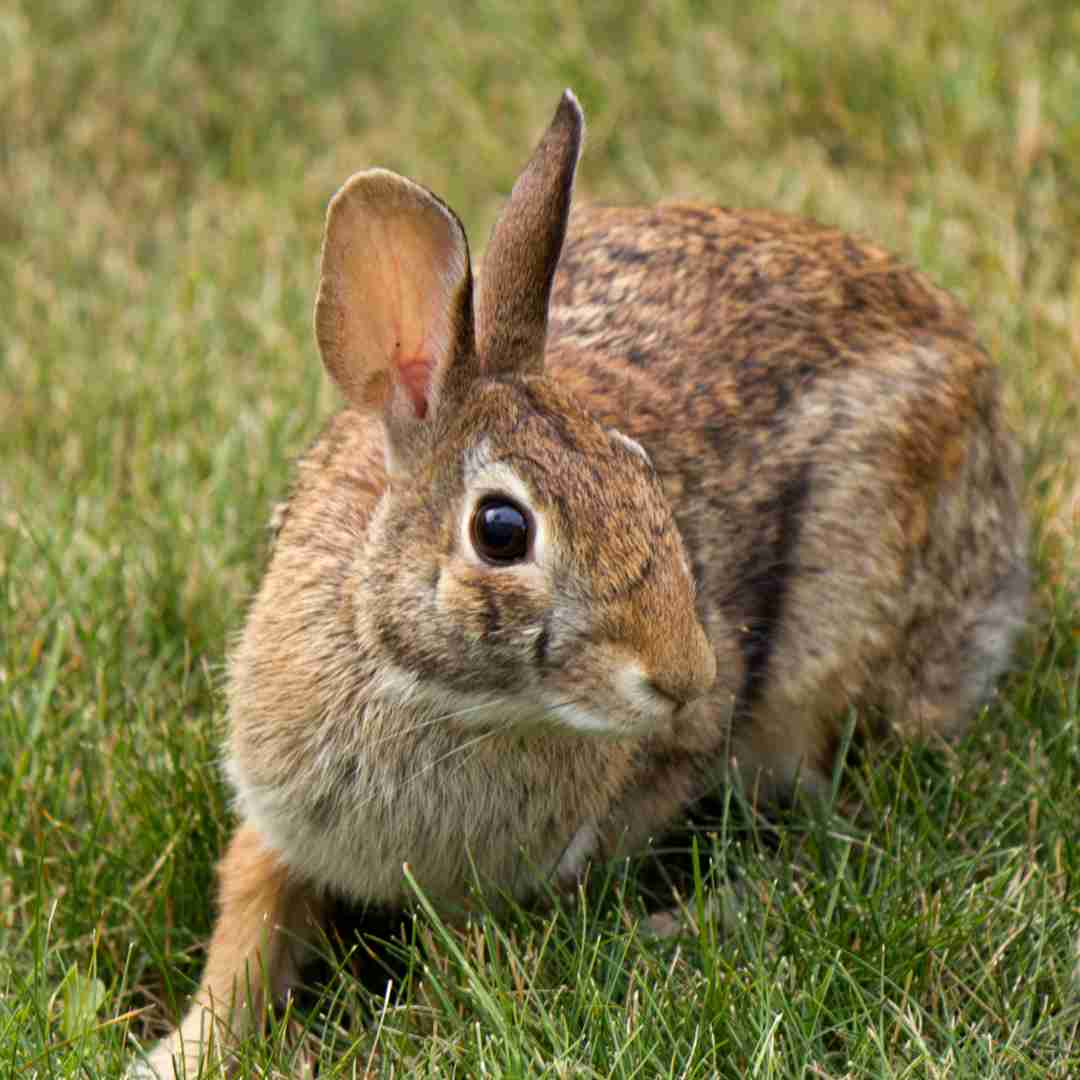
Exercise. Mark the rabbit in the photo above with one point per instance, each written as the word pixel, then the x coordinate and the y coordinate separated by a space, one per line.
pixel 650 505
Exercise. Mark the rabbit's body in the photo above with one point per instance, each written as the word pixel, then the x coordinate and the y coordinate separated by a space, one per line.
pixel 854 543
pixel 545 581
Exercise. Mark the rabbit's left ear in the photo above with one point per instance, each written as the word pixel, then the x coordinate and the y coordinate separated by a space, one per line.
pixel 524 249
pixel 393 316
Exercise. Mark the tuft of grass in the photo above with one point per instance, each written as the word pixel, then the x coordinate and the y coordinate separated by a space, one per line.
pixel 165 172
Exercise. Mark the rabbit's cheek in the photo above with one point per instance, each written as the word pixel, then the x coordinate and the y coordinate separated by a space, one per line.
pixel 489 602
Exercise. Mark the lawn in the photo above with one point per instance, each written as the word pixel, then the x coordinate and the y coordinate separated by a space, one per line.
pixel 164 172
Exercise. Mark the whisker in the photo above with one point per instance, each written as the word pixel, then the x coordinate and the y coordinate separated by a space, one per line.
pixel 419 726
pixel 553 709
pixel 440 718
pixel 456 715
pixel 474 742
pixel 461 748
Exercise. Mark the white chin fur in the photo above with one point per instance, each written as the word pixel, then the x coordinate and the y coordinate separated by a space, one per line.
pixel 632 684
pixel 574 717
pixel 638 713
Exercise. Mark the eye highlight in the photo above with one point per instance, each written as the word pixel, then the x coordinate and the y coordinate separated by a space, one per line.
pixel 501 530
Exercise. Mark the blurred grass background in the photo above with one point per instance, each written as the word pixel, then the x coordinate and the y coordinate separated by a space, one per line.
pixel 164 171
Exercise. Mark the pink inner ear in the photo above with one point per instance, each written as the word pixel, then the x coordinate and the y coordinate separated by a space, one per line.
pixel 391 300
pixel 415 375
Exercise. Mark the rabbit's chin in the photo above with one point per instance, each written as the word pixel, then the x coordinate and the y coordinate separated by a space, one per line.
pixel 621 721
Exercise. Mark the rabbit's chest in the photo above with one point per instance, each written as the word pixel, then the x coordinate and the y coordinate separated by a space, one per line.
pixel 502 818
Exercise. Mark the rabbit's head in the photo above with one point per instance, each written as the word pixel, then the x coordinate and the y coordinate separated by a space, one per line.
pixel 522 565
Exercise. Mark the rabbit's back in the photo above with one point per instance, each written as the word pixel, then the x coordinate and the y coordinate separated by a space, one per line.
pixel 829 433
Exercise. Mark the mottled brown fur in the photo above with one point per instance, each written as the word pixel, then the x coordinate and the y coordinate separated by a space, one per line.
pixel 829 518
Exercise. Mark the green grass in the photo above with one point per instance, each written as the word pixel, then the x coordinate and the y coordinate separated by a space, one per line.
pixel 164 171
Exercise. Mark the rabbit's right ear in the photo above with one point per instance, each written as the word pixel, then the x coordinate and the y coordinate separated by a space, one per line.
pixel 393 316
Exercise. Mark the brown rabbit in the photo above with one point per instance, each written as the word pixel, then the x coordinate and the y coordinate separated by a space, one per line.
pixel 655 506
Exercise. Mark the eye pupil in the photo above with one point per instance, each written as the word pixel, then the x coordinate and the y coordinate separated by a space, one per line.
pixel 500 531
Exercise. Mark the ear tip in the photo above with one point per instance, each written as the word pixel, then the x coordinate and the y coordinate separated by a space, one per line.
pixel 371 186
pixel 379 195
pixel 570 113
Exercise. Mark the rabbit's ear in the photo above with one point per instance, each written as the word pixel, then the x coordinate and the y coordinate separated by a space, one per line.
pixel 524 249
pixel 393 316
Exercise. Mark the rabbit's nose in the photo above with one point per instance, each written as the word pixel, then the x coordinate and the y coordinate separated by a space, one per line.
pixel 687 670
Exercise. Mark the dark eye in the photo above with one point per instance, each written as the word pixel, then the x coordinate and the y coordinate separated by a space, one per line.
pixel 500 530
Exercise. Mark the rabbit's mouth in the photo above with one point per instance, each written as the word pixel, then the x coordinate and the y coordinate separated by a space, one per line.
pixel 609 694
pixel 625 723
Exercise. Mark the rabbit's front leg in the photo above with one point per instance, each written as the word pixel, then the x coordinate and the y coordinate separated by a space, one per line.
pixel 575 857
pixel 265 922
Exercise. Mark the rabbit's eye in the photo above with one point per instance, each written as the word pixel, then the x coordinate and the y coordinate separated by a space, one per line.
pixel 500 530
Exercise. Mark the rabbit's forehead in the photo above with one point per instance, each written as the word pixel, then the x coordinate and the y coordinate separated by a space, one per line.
pixel 587 510
pixel 562 479
pixel 484 468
